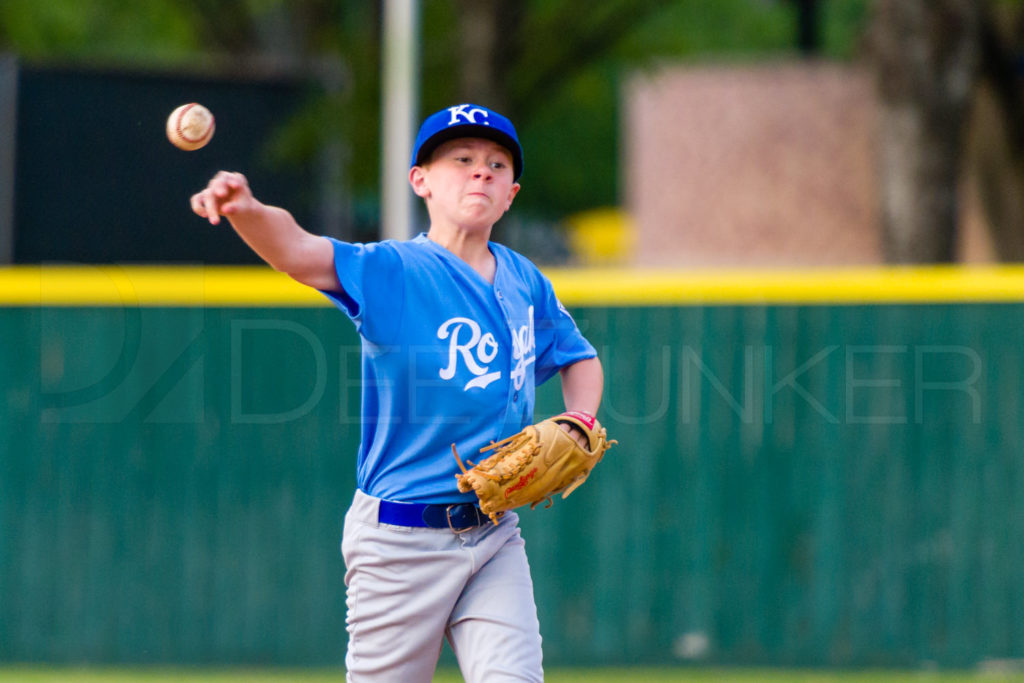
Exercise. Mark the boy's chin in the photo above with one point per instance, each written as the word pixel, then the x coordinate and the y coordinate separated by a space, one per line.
pixel 480 220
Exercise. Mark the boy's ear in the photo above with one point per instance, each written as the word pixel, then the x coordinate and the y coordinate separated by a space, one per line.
pixel 512 195
pixel 418 180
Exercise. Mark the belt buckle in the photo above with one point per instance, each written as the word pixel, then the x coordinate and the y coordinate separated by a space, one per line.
pixel 448 516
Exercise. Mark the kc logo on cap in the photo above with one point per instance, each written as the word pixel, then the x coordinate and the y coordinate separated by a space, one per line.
pixel 463 111
pixel 467 121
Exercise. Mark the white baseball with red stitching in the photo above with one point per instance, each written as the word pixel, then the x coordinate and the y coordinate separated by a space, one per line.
pixel 190 126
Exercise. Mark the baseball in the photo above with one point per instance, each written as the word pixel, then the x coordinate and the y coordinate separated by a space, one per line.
pixel 190 126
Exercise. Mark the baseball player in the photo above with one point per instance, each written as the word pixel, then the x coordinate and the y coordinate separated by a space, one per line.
pixel 457 332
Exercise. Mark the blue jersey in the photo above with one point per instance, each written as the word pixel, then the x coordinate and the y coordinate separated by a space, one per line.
pixel 447 358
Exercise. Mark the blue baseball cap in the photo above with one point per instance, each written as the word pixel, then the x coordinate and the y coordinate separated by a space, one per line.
pixel 467 121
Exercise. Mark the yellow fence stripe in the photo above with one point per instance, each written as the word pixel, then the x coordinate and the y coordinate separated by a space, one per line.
pixel 932 284
pixel 112 285
pixel 257 286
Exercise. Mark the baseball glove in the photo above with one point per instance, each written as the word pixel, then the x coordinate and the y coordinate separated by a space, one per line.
pixel 532 466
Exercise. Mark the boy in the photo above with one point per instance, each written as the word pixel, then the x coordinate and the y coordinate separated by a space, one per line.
pixel 457 332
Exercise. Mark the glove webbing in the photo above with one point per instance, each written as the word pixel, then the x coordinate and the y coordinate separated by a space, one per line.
pixel 516 444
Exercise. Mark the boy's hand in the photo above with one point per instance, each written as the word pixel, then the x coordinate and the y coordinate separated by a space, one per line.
pixel 576 433
pixel 226 194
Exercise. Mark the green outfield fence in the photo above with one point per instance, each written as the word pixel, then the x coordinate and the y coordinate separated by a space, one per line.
pixel 814 469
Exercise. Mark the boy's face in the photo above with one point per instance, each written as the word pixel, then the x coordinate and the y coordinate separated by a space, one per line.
pixel 467 182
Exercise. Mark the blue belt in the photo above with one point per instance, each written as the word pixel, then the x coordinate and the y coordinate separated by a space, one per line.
pixel 455 516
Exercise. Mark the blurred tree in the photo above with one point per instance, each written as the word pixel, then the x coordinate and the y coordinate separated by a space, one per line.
pixel 995 159
pixel 575 34
pixel 487 49
pixel 949 76
pixel 96 31
pixel 498 62
pixel 808 26
pixel 926 55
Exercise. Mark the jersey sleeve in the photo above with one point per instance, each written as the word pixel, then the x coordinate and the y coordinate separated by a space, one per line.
pixel 372 287
pixel 559 341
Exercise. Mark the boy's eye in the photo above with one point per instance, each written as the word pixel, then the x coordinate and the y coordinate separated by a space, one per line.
pixel 497 165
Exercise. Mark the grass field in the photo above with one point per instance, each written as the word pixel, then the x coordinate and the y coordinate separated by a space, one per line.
pixel 31 674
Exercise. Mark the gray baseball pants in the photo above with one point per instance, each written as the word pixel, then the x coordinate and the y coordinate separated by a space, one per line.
pixel 410 588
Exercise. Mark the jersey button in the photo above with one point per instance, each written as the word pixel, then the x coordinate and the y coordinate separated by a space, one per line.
pixel 515 396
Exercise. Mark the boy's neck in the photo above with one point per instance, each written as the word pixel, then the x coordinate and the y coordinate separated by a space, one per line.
pixel 470 247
